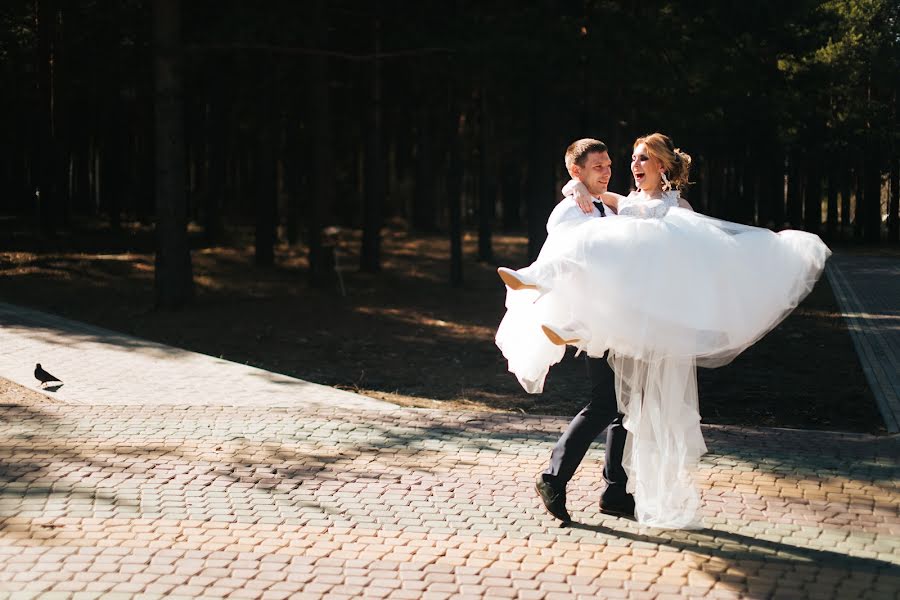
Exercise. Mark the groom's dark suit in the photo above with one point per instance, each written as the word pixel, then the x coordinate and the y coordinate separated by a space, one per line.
pixel 601 413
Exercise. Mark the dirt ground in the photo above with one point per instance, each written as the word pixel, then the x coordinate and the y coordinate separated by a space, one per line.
pixel 405 335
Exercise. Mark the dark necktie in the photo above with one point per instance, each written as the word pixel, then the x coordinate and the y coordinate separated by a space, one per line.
pixel 600 207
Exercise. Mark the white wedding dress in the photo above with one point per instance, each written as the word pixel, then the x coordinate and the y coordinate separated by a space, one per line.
pixel 663 289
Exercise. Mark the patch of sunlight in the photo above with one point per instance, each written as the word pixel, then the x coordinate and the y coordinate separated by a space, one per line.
pixel 413 317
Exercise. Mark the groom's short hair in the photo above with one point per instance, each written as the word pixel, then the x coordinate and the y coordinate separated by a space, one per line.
pixel 578 150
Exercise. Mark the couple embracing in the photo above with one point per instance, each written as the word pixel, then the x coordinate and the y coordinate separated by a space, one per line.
pixel 649 290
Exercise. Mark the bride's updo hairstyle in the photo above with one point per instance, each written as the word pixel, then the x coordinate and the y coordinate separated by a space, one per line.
pixel 676 163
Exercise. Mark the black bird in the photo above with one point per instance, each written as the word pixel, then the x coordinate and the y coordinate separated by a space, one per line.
pixel 43 376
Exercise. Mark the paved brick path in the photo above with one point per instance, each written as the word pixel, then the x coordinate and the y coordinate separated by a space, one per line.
pixel 319 500
pixel 99 366
pixel 263 502
pixel 868 290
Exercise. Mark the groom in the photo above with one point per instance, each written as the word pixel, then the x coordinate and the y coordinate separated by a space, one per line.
pixel 588 161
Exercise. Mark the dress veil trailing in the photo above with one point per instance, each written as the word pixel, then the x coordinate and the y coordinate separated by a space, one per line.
pixel 663 290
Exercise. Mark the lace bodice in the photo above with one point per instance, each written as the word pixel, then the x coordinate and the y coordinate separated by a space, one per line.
pixel 641 205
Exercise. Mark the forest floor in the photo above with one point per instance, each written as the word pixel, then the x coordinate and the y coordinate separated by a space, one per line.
pixel 405 335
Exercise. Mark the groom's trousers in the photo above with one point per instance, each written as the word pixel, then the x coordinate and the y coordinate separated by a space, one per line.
pixel 601 413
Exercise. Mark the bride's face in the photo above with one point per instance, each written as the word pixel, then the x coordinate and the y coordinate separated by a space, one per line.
pixel 646 170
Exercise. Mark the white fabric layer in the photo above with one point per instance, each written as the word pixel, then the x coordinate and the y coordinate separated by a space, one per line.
pixel 663 295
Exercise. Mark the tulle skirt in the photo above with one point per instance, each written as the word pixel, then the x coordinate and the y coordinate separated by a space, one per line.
pixel 662 296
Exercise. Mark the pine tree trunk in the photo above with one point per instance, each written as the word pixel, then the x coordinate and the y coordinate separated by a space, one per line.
pixel 295 169
pixel 266 197
pixel 511 180
pixel 214 223
pixel 872 205
pixel 794 192
pixel 540 193
pixel 846 179
pixel 894 204
pixel 859 204
pixel 486 186
pixel 424 208
pixel 771 201
pixel 812 210
pixel 113 158
pixel 46 161
pixel 454 200
pixel 173 277
pixel 370 252
pixel 831 230
pixel 145 152
pixel 320 260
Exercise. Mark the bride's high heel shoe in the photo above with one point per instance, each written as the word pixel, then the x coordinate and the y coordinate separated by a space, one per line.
pixel 572 334
pixel 518 281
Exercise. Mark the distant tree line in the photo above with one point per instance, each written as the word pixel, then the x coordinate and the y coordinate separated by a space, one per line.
pixel 294 116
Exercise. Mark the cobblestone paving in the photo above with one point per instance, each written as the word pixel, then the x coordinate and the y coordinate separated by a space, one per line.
pixel 868 290
pixel 99 366
pixel 333 502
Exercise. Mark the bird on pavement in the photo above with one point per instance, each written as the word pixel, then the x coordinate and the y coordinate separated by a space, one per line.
pixel 43 376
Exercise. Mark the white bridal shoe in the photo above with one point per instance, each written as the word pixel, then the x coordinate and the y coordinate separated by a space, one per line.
pixel 572 333
pixel 517 281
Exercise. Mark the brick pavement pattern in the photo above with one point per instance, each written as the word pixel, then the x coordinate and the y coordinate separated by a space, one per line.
pixel 99 366
pixel 868 291
pixel 315 502
pixel 202 478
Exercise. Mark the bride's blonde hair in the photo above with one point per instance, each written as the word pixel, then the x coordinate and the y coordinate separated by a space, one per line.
pixel 676 163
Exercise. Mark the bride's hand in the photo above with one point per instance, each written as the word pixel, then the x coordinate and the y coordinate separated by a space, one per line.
pixel 580 194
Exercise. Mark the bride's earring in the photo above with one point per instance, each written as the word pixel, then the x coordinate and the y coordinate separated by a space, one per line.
pixel 666 186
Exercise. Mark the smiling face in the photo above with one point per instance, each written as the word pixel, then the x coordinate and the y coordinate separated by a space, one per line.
pixel 595 173
pixel 647 171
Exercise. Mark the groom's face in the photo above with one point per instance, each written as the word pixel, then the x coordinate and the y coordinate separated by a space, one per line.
pixel 595 173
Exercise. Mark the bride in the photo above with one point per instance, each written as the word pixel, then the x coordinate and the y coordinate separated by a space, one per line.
pixel 663 289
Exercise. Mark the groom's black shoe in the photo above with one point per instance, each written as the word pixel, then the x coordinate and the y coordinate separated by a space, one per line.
pixel 554 499
pixel 616 502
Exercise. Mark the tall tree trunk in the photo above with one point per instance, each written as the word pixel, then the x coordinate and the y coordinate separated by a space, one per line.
pixel 859 183
pixel 540 176
pixel 894 204
pixel 266 167
pixel 370 252
pixel 145 151
pixel 214 223
pixel 113 127
pixel 771 201
pixel 266 197
pixel 454 196
pixel 831 230
pixel 295 170
pixel 744 190
pixel 872 205
pixel 846 179
pixel 173 278
pixel 320 261
pixel 486 185
pixel 113 157
pixel 63 115
pixel 511 180
pixel 424 207
pixel 47 159
pixel 812 210
pixel 794 192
